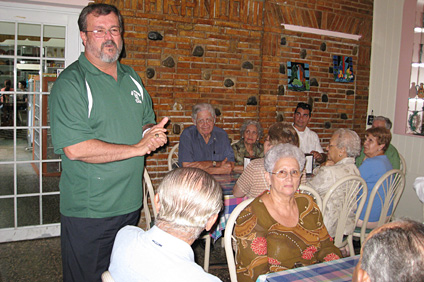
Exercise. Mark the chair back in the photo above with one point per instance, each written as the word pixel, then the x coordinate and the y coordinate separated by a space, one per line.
pixel 173 158
pixel 351 195
pixel 148 193
pixel 106 277
pixel 229 238
pixel 388 190
pixel 402 164
pixel 305 189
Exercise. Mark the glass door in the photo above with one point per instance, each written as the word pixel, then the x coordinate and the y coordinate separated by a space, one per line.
pixel 32 55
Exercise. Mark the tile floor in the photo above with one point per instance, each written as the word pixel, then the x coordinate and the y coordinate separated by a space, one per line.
pixel 40 260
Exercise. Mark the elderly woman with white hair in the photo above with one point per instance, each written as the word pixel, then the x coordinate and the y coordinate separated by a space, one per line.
pixel 248 147
pixel 344 146
pixel 281 229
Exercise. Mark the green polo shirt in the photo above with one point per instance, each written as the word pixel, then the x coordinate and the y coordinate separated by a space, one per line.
pixel 85 103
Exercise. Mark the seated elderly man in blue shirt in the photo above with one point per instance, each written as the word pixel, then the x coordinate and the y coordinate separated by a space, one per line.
pixel 205 146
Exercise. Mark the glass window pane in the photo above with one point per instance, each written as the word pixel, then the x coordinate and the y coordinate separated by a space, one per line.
pixel 6 146
pixel 23 148
pixel 6 176
pixel 28 211
pixel 29 40
pixel 51 213
pixel 51 184
pixel 52 68
pixel 54 41
pixel 6 218
pixel 7 38
pixel 28 180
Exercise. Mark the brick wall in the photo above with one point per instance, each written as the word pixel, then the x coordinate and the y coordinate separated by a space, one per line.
pixel 242 41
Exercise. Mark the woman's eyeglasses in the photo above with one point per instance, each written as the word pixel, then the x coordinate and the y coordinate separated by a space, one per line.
pixel 284 173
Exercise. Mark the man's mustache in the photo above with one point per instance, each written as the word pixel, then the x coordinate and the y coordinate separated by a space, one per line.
pixel 109 42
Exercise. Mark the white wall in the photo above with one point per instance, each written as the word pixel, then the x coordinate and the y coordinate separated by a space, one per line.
pixel 385 64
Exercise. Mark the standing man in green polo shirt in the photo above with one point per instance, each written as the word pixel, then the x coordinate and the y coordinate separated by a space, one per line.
pixel 102 125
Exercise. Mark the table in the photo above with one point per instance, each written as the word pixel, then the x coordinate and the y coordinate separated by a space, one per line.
pixel 227 182
pixel 336 270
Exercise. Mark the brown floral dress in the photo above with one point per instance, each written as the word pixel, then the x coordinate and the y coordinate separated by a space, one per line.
pixel 264 245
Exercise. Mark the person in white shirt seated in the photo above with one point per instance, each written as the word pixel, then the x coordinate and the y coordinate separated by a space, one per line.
pixel 188 201
pixel 309 141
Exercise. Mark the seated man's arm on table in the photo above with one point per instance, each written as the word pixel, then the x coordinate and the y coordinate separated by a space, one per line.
pixel 97 151
pixel 223 167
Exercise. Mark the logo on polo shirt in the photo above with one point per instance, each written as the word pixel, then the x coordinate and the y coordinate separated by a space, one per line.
pixel 138 97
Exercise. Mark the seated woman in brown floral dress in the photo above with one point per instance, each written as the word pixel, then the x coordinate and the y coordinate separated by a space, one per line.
pixel 281 229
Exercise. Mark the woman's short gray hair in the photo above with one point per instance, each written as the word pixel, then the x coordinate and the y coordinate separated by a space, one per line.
pixel 349 140
pixel 280 151
pixel 202 107
pixel 246 123
pixel 188 197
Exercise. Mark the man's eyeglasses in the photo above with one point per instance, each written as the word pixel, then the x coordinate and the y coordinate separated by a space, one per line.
pixel 100 33
pixel 284 173
pixel 204 121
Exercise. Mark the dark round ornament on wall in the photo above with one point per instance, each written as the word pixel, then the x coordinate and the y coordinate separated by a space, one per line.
pixel 247 65
pixel 343 116
pixel 323 46
pixel 150 73
pixel 327 124
pixel 169 62
pixel 283 41
pixel 198 51
pixel 217 112
pixel 252 101
pixel 228 83
pixel 281 90
pixel 154 35
pixel 324 98
pixel 313 82
pixel 303 53
pixel 282 69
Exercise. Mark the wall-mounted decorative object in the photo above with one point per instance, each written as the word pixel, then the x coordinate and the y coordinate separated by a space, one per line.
pixel 150 72
pixel 314 82
pixel 217 112
pixel 280 117
pixel 282 69
pixel 298 75
pixel 343 116
pixel 281 90
pixel 324 98
pixel 283 41
pixel 169 62
pixel 154 35
pixel 343 69
pixel 198 51
pixel 323 46
pixel 252 101
pixel 303 53
pixel 206 74
pixel 228 83
pixel 247 65
pixel 327 125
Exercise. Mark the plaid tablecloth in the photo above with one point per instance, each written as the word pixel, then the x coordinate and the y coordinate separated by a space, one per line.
pixel 337 270
pixel 227 182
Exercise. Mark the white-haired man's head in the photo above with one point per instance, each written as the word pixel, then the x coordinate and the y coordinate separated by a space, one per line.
pixel 188 201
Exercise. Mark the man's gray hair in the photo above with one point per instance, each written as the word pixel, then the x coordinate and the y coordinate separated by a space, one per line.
pixel 202 107
pixel 280 151
pixel 386 120
pixel 349 140
pixel 395 252
pixel 97 10
pixel 188 197
pixel 246 123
